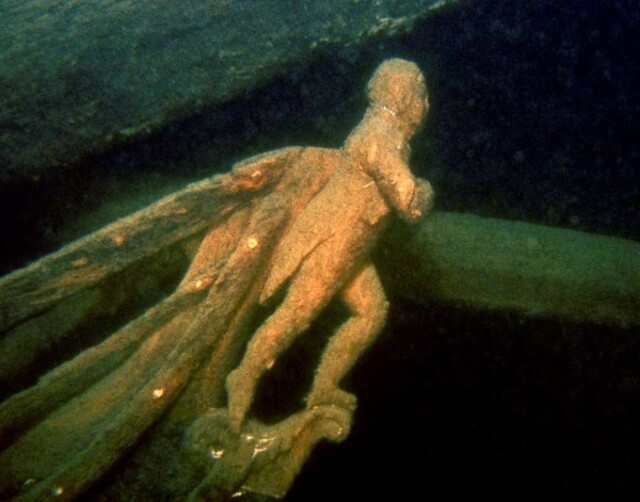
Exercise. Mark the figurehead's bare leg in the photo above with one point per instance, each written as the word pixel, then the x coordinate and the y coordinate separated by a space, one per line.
pixel 310 290
pixel 365 298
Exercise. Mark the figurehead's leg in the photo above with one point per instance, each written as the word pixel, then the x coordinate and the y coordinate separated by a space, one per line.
pixel 365 298
pixel 310 290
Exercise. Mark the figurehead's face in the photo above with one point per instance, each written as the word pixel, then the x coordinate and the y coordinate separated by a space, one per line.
pixel 399 87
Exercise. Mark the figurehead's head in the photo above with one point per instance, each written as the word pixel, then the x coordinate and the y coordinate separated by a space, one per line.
pixel 398 86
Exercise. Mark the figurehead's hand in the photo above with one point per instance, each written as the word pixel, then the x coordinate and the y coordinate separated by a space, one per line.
pixel 422 201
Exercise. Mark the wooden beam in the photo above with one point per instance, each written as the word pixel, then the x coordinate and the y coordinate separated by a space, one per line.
pixel 493 264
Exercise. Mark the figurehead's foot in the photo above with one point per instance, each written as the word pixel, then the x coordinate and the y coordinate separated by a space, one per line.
pixel 240 389
pixel 332 397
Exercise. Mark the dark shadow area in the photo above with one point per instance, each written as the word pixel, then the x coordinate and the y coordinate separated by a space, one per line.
pixel 458 403
pixel 534 113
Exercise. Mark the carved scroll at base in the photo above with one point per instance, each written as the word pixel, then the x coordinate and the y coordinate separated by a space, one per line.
pixel 264 459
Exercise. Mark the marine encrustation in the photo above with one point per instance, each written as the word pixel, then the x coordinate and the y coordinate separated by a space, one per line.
pixel 298 224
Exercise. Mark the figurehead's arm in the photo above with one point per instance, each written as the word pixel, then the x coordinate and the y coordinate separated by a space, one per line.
pixel 410 197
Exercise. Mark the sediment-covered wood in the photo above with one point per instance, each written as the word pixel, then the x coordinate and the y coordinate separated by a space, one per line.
pixel 79 77
pixel 493 264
